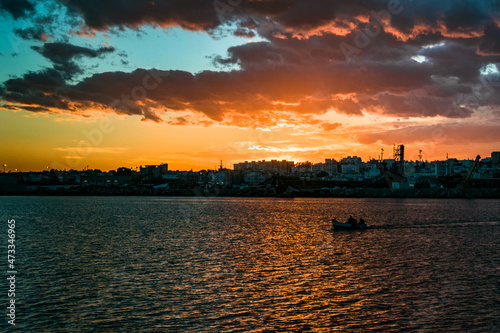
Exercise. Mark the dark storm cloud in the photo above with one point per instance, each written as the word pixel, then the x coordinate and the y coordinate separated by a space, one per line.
pixel 300 67
pixel 298 15
pixel 17 8
pixel 490 43
pixel 456 16
pixel 61 52
pixel 62 55
pixel 47 80
pixel 39 91
pixel 304 14
pixel 101 15
pixel 415 105
pixel 243 32
pixel 218 93
pixel 35 33
pixel 36 88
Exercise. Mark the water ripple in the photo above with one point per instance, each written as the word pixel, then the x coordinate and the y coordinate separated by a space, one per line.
pixel 255 265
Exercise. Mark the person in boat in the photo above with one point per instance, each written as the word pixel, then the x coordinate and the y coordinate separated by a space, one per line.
pixel 352 221
pixel 361 221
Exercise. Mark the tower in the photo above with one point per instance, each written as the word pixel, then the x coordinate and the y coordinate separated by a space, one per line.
pixel 399 157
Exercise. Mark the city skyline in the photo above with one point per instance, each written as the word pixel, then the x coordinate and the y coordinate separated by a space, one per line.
pixel 273 178
pixel 222 165
pixel 129 84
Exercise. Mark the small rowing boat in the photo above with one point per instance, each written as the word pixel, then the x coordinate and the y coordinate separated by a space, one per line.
pixel 347 226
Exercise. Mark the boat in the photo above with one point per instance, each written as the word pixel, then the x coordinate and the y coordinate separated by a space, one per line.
pixel 347 226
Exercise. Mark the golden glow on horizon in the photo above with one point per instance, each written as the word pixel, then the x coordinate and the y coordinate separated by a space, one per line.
pixel 35 141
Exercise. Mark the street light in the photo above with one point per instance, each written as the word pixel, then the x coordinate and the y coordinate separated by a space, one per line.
pixel 4 167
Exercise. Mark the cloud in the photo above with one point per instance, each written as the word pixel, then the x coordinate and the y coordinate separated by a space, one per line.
pixel 244 32
pixel 454 134
pixel 83 150
pixel 490 43
pixel 391 91
pixel 299 67
pixel 447 17
pixel 17 8
pixel 62 55
pixel 190 15
pixel 41 91
pixel 416 105
pixel 36 90
pixel 330 127
pixel 32 33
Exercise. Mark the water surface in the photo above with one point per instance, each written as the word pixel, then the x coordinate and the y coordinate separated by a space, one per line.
pixel 126 264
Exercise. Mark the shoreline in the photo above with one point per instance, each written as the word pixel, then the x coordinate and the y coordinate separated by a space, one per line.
pixel 426 193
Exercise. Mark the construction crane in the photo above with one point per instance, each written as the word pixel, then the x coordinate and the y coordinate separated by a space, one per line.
pixel 466 181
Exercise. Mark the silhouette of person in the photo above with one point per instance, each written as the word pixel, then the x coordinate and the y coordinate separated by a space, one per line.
pixel 352 221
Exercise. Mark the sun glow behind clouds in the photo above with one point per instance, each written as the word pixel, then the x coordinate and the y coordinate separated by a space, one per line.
pixel 490 69
pixel 419 58
pixel 431 46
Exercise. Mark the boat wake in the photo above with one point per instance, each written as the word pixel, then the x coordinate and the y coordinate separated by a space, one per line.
pixel 435 225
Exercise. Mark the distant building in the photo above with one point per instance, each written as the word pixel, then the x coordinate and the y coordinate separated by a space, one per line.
pixel 351 164
pixel 283 166
pixel 445 168
pixel 300 169
pixel 223 177
pixel 441 168
pixel 153 170
pixel 254 178
pixel 389 162
pixel 104 179
pixel 495 156
pixel 331 166
pixel 372 171
pixel 318 167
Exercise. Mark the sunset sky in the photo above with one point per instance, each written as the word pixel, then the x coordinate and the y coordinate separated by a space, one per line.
pixel 113 83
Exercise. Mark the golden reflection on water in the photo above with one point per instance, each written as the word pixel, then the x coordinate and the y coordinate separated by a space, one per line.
pixel 226 264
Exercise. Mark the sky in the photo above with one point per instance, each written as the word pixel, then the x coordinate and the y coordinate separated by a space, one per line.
pixel 112 83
